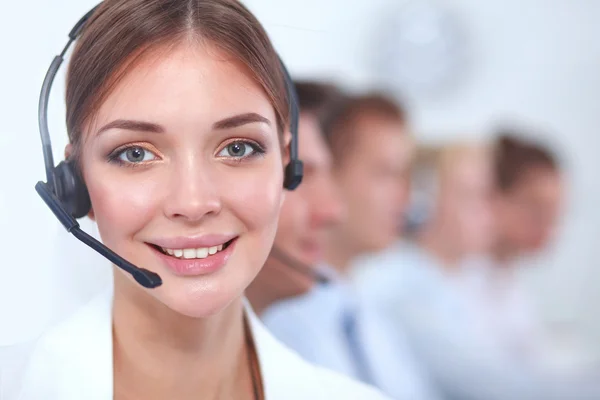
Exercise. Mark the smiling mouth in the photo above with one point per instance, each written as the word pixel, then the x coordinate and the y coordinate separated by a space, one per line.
pixel 190 254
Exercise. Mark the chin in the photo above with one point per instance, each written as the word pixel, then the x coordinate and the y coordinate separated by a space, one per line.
pixel 198 298
pixel 205 291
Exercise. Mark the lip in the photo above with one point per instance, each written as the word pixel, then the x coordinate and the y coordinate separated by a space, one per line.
pixel 196 267
pixel 193 242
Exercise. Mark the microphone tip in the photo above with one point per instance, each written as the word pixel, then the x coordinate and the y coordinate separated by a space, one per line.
pixel 147 278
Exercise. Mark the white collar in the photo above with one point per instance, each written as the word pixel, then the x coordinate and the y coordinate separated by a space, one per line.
pixel 74 361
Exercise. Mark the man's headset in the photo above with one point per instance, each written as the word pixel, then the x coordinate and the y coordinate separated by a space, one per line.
pixel 66 194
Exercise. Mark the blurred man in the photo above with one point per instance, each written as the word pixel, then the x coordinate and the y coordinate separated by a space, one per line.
pixel 330 325
pixel 372 153
pixel 307 213
pixel 452 190
pixel 421 282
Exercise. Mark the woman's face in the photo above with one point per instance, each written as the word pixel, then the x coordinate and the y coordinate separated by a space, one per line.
pixel 184 168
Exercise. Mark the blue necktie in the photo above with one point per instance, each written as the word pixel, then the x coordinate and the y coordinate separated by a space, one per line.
pixel 356 350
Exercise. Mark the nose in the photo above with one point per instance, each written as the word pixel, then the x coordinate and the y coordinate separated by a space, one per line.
pixel 328 208
pixel 193 193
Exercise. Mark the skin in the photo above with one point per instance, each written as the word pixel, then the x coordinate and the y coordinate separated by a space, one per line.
pixel 528 212
pixel 186 336
pixel 462 223
pixel 308 213
pixel 373 179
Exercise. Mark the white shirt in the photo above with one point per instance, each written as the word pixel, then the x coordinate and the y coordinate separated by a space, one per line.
pixel 315 325
pixel 74 361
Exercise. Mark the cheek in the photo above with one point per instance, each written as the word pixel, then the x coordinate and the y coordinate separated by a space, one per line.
pixel 121 207
pixel 257 202
pixel 293 220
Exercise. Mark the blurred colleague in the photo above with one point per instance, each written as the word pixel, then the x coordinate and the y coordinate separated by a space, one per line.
pixel 527 203
pixel 473 331
pixel 307 213
pixel 330 325
pixel 528 199
pixel 452 185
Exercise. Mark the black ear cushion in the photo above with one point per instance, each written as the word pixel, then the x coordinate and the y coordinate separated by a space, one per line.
pixel 293 174
pixel 71 189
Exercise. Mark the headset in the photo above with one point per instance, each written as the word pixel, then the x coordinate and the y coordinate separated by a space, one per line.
pixel 65 193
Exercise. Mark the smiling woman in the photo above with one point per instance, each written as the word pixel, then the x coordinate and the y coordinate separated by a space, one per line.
pixel 177 113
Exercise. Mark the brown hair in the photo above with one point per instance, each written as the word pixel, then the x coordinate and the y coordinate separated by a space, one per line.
pixel 515 156
pixel 340 126
pixel 317 98
pixel 121 31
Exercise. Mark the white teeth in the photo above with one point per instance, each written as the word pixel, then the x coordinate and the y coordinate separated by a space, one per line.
pixel 187 254
pixel 202 252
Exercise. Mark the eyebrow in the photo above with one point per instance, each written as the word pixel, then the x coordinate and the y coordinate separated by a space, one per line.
pixel 131 125
pixel 239 120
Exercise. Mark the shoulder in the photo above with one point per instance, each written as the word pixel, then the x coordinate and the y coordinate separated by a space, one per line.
pixel 76 331
pixel 389 278
pixel 78 349
pixel 288 376
pixel 312 311
pixel 303 380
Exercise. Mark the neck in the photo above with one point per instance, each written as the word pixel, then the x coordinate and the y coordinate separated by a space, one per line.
pixel 159 353
pixel 263 291
pixel 259 300
pixel 436 244
pixel 502 252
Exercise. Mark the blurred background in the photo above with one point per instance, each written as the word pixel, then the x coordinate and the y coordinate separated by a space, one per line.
pixel 461 68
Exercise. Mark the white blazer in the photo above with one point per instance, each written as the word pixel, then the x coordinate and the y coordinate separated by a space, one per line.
pixel 74 361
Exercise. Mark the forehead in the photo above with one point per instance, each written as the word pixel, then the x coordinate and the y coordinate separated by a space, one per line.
pixel 381 140
pixel 472 168
pixel 186 83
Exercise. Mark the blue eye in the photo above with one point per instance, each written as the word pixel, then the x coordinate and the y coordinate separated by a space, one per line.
pixel 239 149
pixel 135 155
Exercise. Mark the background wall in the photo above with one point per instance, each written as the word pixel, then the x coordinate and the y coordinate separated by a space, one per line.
pixel 535 61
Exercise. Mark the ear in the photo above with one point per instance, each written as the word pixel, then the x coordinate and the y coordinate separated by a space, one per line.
pixel 68 151
pixel 287 139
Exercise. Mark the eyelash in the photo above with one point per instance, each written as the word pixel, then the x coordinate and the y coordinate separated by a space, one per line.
pixel 113 157
pixel 257 149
